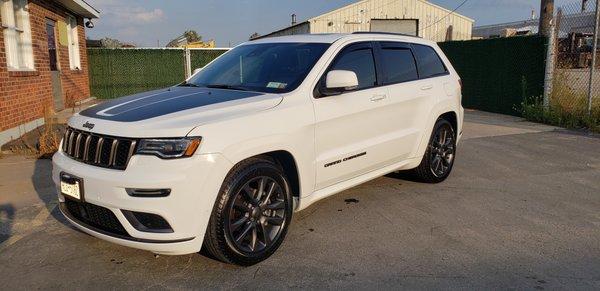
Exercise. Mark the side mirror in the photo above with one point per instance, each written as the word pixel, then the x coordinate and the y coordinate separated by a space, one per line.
pixel 196 70
pixel 339 81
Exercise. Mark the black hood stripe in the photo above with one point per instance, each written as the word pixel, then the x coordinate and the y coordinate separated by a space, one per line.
pixel 161 102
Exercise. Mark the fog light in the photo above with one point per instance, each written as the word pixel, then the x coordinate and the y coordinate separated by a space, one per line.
pixel 147 222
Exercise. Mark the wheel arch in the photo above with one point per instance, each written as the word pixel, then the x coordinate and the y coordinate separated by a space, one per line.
pixel 290 168
pixel 449 114
pixel 288 164
pixel 451 117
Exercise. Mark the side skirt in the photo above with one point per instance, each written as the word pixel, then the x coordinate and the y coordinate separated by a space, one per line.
pixel 344 185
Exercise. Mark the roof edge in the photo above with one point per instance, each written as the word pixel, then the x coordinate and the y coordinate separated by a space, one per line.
pixel 80 7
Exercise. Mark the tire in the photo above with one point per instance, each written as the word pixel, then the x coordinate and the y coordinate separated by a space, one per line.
pixel 438 160
pixel 248 225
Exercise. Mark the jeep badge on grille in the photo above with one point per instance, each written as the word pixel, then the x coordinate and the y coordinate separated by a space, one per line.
pixel 88 125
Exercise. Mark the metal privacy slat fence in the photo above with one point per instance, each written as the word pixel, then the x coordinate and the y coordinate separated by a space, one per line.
pixel 119 72
pixel 499 74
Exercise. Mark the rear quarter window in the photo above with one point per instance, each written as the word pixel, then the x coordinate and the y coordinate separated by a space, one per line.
pixel 429 62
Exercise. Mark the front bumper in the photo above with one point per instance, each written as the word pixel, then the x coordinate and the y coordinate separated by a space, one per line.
pixel 194 184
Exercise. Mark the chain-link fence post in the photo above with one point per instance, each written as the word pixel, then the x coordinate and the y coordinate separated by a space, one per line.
pixel 187 62
pixel 550 57
pixel 594 54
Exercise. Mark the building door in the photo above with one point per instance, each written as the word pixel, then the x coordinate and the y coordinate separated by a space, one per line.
pixel 54 69
pixel 405 26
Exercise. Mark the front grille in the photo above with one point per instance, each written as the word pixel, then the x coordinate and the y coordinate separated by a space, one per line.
pixel 95 216
pixel 98 150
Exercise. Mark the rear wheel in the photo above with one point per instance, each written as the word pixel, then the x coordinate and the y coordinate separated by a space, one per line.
pixel 252 213
pixel 438 160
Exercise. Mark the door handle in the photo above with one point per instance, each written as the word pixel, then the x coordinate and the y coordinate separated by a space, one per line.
pixel 428 87
pixel 376 98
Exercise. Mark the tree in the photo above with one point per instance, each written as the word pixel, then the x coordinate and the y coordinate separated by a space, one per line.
pixel 108 42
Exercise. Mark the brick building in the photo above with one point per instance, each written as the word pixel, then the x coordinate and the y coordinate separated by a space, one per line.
pixel 43 60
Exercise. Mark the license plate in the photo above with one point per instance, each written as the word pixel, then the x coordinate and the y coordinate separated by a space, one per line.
pixel 71 186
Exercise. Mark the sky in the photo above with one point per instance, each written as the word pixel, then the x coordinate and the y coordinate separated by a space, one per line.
pixel 150 23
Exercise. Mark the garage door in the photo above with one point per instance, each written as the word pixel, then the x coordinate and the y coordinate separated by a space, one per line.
pixel 405 26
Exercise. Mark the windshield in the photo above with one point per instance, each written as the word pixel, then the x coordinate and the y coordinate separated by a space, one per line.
pixel 268 67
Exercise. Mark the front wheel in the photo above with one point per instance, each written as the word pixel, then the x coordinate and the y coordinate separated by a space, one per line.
pixel 251 215
pixel 438 160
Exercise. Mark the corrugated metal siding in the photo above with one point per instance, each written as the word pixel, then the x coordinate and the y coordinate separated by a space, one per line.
pixel 433 20
pixel 301 28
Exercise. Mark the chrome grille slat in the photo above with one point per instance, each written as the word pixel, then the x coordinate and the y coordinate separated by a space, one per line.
pixel 77 145
pixel 70 143
pixel 98 150
pixel 73 143
pixel 131 149
pixel 113 152
pixel 86 149
pixel 65 140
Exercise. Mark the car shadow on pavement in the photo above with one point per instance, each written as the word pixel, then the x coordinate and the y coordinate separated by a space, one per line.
pixel 403 175
pixel 45 189
pixel 7 214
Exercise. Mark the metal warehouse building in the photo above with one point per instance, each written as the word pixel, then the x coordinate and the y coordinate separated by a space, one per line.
pixel 578 22
pixel 415 17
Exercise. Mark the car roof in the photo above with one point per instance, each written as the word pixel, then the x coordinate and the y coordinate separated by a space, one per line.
pixel 333 37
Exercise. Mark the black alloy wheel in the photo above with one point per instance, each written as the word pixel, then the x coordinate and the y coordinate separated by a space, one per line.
pixel 442 151
pixel 252 213
pixel 256 217
pixel 438 160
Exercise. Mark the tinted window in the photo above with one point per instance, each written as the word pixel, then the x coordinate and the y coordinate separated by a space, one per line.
pixel 269 67
pixel 430 64
pixel 360 62
pixel 399 65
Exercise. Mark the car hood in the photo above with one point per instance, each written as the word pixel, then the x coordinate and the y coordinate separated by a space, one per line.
pixel 170 112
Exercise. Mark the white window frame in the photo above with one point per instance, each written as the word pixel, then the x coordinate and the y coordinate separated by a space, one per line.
pixel 73 39
pixel 17 35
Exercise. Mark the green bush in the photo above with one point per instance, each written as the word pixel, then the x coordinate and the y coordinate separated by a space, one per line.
pixel 533 109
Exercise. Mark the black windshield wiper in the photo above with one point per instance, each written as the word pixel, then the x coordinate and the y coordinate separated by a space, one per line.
pixel 186 84
pixel 225 86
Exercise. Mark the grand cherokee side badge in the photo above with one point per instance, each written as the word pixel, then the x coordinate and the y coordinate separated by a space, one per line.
pixel 345 159
pixel 88 125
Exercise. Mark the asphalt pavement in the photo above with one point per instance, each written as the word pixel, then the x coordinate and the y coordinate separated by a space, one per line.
pixel 521 210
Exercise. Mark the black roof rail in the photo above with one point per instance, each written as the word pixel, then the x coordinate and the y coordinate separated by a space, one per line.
pixel 386 33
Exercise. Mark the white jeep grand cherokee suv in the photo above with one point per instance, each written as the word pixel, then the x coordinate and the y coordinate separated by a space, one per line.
pixel 223 160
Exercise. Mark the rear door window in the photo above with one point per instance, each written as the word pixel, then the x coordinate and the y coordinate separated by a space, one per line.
pixel 398 63
pixel 430 64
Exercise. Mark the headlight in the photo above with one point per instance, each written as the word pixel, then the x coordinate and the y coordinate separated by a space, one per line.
pixel 169 148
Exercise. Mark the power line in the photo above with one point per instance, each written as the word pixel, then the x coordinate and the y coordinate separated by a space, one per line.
pixel 449 13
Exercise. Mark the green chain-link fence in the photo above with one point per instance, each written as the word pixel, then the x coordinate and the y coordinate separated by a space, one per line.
pixel 499 74
pixel 199 58
pixel 119 72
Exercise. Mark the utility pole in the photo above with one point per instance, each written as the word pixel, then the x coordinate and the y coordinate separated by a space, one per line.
pixel 546 15
pixel 594 53
pixel 547 29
